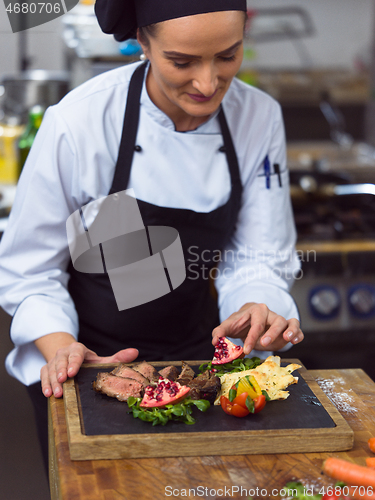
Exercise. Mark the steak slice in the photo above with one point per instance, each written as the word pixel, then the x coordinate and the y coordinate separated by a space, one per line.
pixel 147 371
pixel 206 375
pixel 205 386
pixel 187 374
pixel 169 372
pixel 117 387
pixel 123 370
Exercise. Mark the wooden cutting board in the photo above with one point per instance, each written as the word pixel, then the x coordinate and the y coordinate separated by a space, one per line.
pixel 100 427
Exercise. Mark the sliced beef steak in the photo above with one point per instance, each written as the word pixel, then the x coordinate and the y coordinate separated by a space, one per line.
pixel 123 370
pixel 187 374
pixel 117 387
pixel 169 372
pixel 147 371
pixel 205 386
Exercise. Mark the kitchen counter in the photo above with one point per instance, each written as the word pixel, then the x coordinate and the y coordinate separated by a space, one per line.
pixel 351 390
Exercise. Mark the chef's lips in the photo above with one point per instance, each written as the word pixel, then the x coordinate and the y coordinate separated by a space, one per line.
pixel 122 17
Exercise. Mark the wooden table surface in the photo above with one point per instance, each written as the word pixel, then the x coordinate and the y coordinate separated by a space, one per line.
pixel 351 390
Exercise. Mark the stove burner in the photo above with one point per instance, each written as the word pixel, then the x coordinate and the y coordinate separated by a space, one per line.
pixel 336 219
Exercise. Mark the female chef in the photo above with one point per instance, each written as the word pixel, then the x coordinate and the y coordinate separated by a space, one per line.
pixel 204 154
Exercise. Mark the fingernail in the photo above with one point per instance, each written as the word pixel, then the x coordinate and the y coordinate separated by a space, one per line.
pixel 56 392
pixel 289 335
pixel 46 392
pixel 266 341
pixel 59 376
pixel 295 340
pixel 70 371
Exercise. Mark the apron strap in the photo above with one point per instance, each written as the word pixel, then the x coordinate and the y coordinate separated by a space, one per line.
pixel 230 151
pixel 129 131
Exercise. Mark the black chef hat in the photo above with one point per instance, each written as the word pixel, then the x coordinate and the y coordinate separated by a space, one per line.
pixel 123 17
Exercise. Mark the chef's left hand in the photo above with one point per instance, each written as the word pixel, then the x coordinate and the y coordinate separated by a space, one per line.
pixel 259 328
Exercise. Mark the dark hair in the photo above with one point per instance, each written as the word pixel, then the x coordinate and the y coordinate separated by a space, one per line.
pixel 147 32
pixel 150 31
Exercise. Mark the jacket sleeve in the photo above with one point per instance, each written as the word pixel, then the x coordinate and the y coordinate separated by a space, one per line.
pixel 33 252
pixel 260 262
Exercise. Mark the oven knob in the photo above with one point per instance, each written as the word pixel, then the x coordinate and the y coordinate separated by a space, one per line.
pixel 361 300
pixel 324 302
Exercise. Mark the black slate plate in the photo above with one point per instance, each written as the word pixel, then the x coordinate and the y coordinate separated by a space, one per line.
pixel 103 415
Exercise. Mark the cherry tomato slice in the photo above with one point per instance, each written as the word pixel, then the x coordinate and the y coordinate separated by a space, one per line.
pixel 239 411
pixel 259 403
pixel 241 400
pixel 226 405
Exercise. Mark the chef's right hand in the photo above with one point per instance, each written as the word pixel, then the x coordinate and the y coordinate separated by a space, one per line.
pixel 67 361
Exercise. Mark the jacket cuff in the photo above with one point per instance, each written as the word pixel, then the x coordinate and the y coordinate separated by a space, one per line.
pixel 39 315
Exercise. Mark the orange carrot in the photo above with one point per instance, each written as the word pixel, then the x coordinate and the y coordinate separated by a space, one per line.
pixel 361 493
pixel 371 444
pixel 370 462
pixel 348 472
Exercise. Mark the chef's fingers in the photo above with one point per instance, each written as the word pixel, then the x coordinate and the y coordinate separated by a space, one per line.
pixel 50 384
pixel 56 385
pixel 260 317
pixel 277 325
pixel 234 325
pixel 268 330
pixel 48 378
pixel 77 355
pixel 45 381
pixel 293 333
pixel 68 360
pixel 238 323
pixel 219 331
pixel 66 363
pixel 124 356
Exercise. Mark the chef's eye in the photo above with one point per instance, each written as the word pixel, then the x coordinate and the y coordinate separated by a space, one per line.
pixel 180 65
pixel 228 59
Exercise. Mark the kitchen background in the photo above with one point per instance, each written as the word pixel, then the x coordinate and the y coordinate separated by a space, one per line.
pixel 318 59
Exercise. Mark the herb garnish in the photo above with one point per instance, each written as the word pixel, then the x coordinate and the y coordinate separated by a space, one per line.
pixel 181 412
pixel 238 365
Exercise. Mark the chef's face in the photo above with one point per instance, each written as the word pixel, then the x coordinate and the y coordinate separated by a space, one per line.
pixel 193 61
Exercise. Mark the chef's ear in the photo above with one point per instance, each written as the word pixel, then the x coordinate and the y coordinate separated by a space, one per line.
pixel 143 41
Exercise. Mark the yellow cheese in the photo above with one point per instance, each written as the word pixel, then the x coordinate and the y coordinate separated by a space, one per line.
pixel 270 376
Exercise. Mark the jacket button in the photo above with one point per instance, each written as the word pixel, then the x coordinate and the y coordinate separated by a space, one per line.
pixel 137 148
pixel 222 149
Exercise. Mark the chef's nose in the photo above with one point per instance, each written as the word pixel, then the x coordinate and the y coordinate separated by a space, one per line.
pixel 206 80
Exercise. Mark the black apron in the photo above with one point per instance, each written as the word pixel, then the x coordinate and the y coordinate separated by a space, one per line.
pixel 179 324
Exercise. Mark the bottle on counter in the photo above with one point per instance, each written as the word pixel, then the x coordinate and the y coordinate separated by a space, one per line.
pixel 27 138
pixel 11 130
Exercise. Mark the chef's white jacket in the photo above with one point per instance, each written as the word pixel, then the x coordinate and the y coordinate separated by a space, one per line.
pixel 72 162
